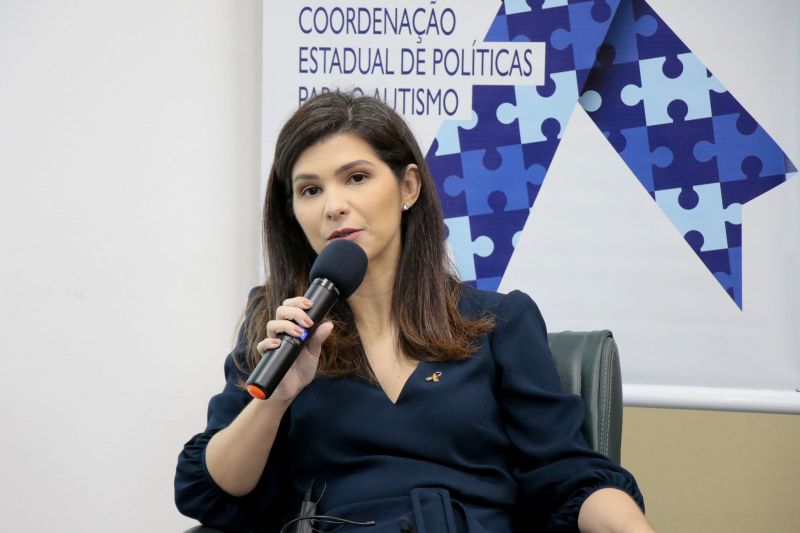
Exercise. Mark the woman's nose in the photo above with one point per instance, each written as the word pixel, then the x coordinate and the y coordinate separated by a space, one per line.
pixel 335 204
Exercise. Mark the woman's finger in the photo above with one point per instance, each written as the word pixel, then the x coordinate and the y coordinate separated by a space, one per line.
pixel 296 314
pixel 275 327
pixel 267 344
pixel 298 301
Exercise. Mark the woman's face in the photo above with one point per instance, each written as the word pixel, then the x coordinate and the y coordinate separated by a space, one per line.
pixel 341 189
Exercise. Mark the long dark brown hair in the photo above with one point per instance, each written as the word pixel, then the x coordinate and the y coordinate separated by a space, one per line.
pixel 425 285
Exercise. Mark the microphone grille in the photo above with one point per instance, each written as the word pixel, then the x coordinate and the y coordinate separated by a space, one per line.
pixel 344 263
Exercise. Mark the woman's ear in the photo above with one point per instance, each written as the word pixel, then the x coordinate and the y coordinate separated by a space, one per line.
pixel 410 185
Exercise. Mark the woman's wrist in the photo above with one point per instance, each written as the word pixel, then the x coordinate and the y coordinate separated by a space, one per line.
pixel 274 404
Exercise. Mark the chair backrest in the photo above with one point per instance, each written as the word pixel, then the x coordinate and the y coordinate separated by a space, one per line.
pixel 588 365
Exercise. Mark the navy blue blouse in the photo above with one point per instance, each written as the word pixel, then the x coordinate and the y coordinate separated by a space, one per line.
pixel 493 445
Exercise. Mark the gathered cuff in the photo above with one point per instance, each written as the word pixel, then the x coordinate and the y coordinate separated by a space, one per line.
pixel 566 518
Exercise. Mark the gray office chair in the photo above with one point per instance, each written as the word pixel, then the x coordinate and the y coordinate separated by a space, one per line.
pixel 588 365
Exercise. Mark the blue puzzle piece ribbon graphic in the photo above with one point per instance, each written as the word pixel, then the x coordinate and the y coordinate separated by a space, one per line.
pixel 688 141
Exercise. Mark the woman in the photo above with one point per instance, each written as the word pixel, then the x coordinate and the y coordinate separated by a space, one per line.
pixel 422 404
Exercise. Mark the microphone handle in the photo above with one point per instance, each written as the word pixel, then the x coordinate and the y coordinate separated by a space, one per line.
pixel 276 362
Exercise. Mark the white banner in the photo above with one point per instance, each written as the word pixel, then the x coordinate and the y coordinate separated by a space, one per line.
pixel 601 247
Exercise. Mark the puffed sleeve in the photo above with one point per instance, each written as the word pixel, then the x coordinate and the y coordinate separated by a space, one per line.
pixel 196 493
pixel 552 463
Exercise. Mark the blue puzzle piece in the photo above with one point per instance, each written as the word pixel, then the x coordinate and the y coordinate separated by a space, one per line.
pixel 719 263
pixel 498 31
pixel 742 191
pixel 725 264
pixel 442 167
pixel 537 25
pixel 732 281
pixel 700 209
pixel 495 187
pixel 621 36
pixel 501 228
pixel 489 132
pixel 608 81
pixel 464 248
pixel 724 104
pixel 731 147
pixel 589 22
pixel 635 151
pixel 680 137
pixel 534 105
pixel 658 90
pixel 714 260
pixel 448 136
pixel 733 232
pixel 541 153
pixel 662 42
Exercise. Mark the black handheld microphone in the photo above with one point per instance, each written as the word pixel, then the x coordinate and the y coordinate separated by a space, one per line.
pixel 336 273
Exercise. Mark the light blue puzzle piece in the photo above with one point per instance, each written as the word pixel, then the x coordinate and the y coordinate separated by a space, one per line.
pixel 731 147
pixel 533 109
pixel 515 239
pixel 658 91
pixel 708 217
pixel 591 101
pixel 511 178
pixel 516 6
pixel 554 3
pixel 449 142
pixel 464 248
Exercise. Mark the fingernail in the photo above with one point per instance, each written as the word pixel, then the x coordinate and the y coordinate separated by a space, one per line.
pixel 307 322
pixel 307 302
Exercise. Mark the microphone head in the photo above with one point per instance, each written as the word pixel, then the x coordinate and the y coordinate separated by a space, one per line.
pixel 344 263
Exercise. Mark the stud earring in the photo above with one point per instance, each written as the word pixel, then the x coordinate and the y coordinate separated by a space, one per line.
pixel 405 206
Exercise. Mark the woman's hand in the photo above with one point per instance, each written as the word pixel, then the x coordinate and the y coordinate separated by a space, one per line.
pixel 287 318
pixel 236 456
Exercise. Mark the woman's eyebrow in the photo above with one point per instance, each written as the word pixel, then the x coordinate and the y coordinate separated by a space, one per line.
pixel 340 170
pixel 348 166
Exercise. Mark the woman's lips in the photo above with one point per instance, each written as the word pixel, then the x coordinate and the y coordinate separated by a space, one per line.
pixel 349 236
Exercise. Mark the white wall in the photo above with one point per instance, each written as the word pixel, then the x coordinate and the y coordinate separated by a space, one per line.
pixel 129 161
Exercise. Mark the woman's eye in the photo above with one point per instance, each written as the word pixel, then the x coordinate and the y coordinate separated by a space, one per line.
pixel 358 178
pixel 311 190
